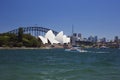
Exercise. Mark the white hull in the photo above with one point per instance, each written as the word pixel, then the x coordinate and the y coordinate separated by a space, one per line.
pixel 75 50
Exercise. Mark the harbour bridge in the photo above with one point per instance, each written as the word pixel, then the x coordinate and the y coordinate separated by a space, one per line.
pixel 35 31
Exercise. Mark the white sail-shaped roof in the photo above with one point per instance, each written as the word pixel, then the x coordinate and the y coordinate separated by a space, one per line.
pixel 51 37
pixel 66 39
pixel 44 40
pixel 59 37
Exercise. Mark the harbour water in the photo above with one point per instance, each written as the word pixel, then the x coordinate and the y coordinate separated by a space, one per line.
pixel 57 64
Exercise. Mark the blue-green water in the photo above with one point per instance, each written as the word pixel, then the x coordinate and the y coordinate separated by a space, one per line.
pixel 57 64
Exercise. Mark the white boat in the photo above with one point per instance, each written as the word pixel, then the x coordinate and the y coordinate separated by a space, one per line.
pixel 75 49
pixel 103 47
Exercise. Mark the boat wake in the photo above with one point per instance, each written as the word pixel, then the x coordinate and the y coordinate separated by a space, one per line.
pixel 85 51
pixel 97 52
pixel 102 52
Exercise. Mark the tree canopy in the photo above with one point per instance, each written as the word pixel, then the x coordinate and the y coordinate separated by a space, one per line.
pixel 20 40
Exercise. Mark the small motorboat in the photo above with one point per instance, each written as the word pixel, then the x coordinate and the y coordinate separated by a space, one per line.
pixel 103 47
pixel 75 49
pixel 71 49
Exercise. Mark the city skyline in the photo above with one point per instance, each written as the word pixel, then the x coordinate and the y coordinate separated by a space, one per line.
pixel 89 17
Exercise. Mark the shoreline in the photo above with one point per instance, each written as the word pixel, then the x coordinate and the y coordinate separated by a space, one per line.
pixel 13 48
pixel 18 48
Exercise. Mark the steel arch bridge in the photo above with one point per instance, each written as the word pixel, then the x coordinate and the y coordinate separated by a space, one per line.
pixel 35 31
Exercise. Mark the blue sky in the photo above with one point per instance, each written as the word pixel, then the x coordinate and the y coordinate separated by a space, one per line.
pixel 89 17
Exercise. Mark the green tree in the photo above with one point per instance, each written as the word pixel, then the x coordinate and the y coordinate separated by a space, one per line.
pixel 26 42
pixel 4 40
pixel 13 40
pixel 30 41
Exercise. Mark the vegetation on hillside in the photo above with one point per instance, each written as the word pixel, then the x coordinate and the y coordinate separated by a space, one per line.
pixel 20 40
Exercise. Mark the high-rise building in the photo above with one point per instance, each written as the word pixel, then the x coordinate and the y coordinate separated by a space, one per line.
pixel 75 34
pixel 74 39
pixel 116 39
pixel 80 35
pixel 91 39
pixel 103 40
pixel 95 39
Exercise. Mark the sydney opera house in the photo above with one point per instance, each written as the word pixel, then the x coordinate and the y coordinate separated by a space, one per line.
pixel 50 37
